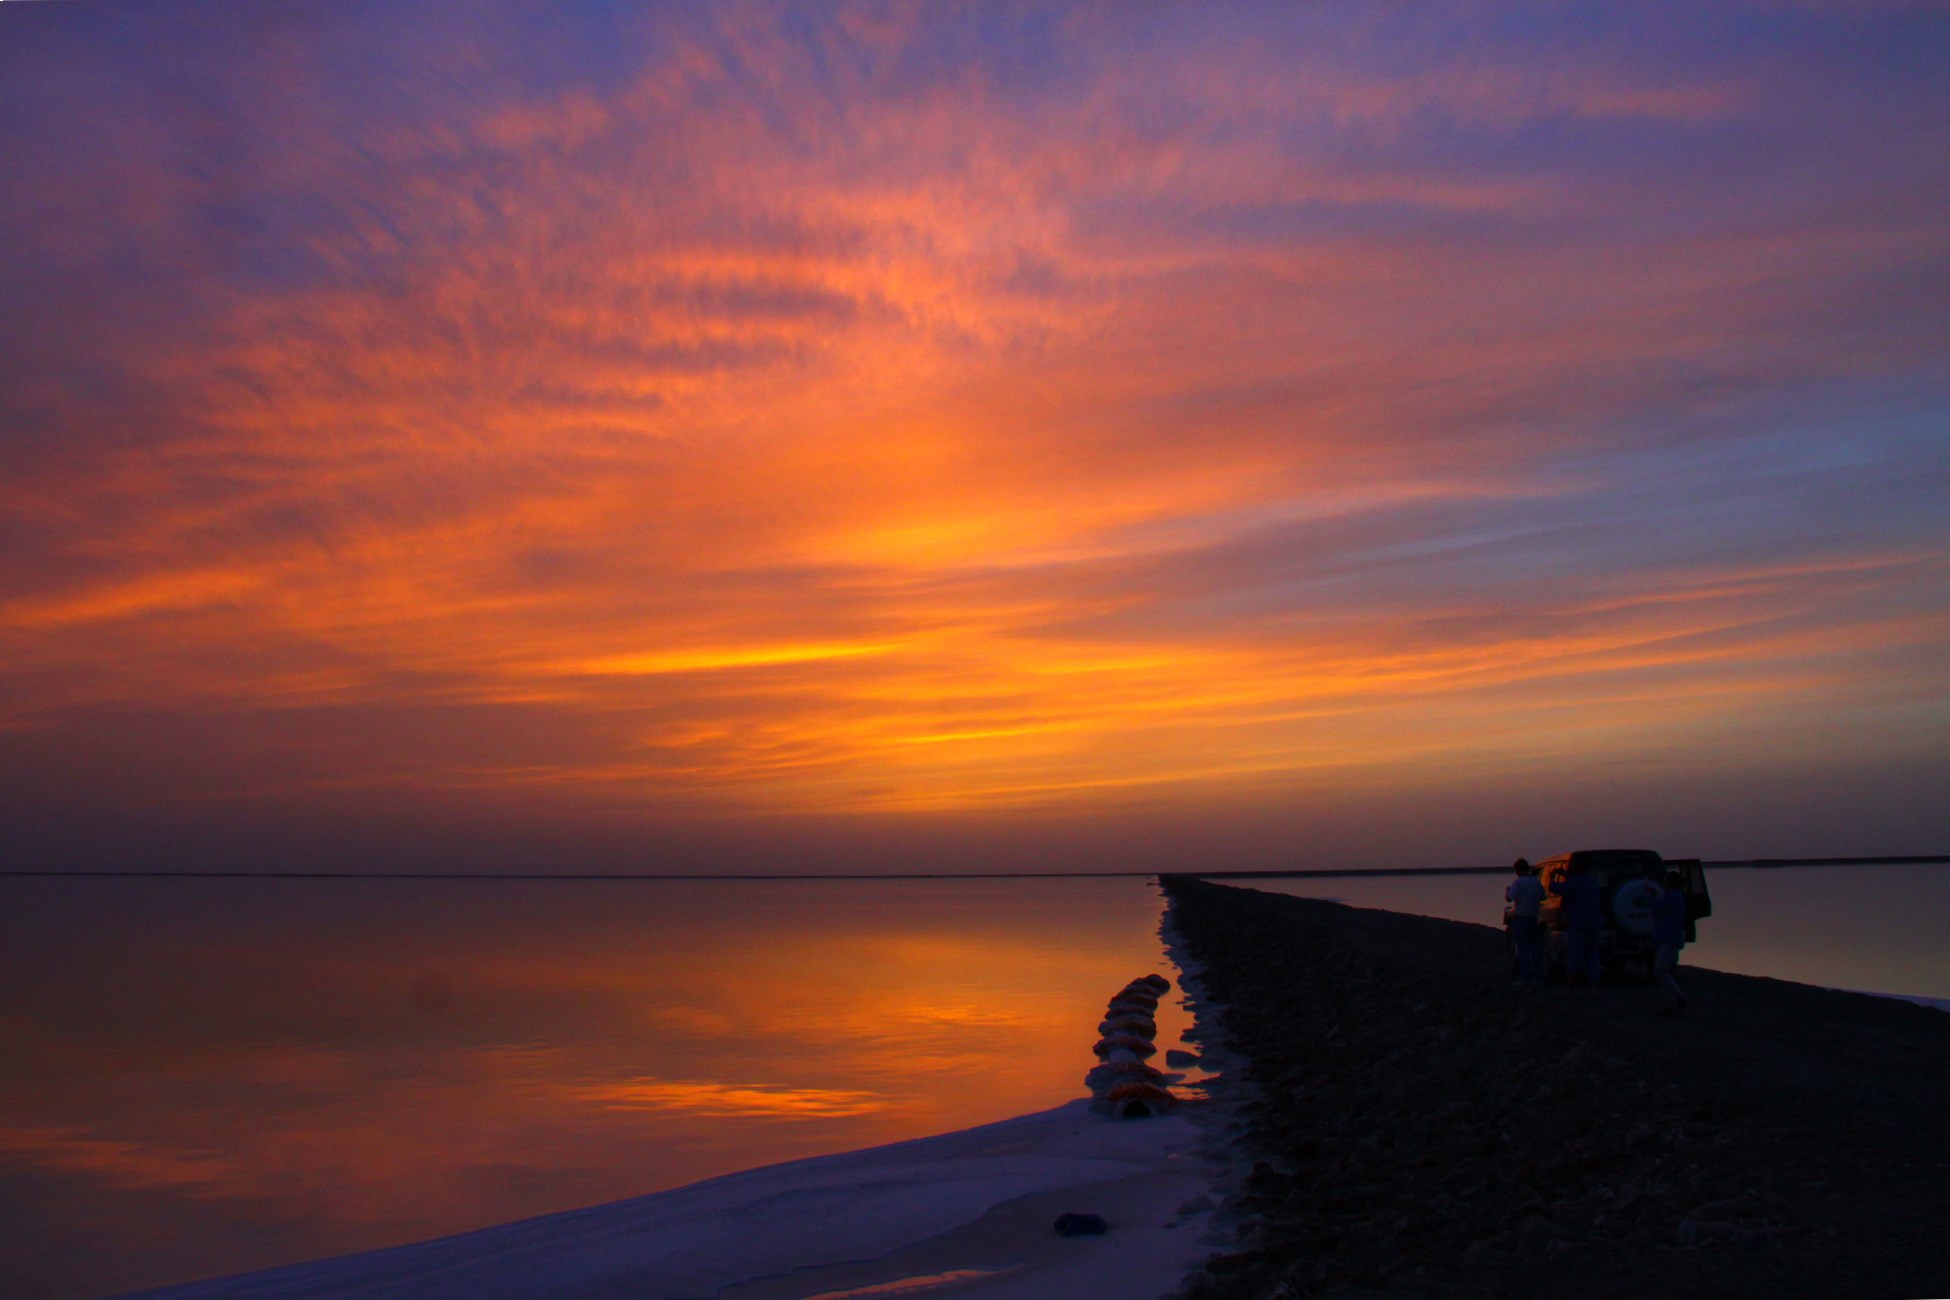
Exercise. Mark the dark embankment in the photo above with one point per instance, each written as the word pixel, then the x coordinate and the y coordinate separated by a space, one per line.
pixel 1423 1129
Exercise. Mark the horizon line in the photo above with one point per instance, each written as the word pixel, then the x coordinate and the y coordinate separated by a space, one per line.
pixel 1311 873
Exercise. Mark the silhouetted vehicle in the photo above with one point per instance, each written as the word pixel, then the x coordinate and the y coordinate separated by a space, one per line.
pixel 1628 881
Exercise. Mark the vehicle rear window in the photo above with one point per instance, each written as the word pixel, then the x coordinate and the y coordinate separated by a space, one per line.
pixel 1611 861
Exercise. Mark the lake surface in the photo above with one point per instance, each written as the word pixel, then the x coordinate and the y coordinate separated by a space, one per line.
pixel 200 1077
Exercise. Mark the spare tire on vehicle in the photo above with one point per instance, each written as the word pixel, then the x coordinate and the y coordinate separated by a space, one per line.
pixel 1631 907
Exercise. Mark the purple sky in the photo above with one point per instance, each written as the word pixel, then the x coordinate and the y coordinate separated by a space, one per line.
pixel 859 435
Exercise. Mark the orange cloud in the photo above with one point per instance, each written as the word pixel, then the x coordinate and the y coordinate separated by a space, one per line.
pixel 770 427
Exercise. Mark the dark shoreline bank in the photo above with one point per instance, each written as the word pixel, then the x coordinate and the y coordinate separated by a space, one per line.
pixel 1421 1129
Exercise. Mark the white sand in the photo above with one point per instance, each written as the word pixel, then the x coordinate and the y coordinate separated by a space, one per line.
pixel 966 1214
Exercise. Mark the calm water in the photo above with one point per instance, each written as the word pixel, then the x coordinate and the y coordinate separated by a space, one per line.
pixel 205 1076
pixel 200 1077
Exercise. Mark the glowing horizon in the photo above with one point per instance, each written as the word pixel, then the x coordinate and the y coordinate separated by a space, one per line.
pixel 743 412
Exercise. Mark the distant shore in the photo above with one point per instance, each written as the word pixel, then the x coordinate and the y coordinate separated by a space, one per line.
pixel 1293 873
pixel 1419 1128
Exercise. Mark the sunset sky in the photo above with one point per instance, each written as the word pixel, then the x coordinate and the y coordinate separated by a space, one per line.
pixel 789 437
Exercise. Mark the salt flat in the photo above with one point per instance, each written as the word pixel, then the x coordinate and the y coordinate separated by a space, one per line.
pixel 967 1213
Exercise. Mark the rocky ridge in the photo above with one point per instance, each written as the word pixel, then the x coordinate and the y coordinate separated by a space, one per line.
pixel 1416 1127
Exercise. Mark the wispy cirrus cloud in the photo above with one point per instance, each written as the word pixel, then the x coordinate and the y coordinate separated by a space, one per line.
pixel 787 411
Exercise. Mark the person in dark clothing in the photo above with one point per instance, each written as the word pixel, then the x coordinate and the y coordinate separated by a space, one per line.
pixel 1668 937
pixel 1584 914
pixel 1525 895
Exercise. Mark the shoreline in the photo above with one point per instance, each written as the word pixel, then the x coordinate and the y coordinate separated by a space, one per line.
pixel 1388 1117
pixel 978 1202
pixel 970 1211
pixel 1417 1127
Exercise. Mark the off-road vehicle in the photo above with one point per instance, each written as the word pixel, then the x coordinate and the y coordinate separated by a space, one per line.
pixel 1628 881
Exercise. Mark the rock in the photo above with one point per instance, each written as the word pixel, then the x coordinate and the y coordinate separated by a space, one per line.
pixel 1136 1100
pixel 1102 1078
pixel 1081 1225
pixel 1407 1102
pixel 1726 1209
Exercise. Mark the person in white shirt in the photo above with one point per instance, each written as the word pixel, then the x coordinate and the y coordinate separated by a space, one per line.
pixel 1525 895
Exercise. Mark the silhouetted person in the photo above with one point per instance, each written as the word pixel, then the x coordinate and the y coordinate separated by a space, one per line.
pixel 1584 914
pixel 1668 937
pixel 1525 895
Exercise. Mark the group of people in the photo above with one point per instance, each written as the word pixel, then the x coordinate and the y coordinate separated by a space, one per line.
pixel 1584 916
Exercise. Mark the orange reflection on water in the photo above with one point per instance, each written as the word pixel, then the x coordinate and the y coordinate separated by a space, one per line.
pixel 238 1074
pixel 708 1098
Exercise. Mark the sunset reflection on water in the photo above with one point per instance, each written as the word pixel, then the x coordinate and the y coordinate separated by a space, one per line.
pixel 202 1077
